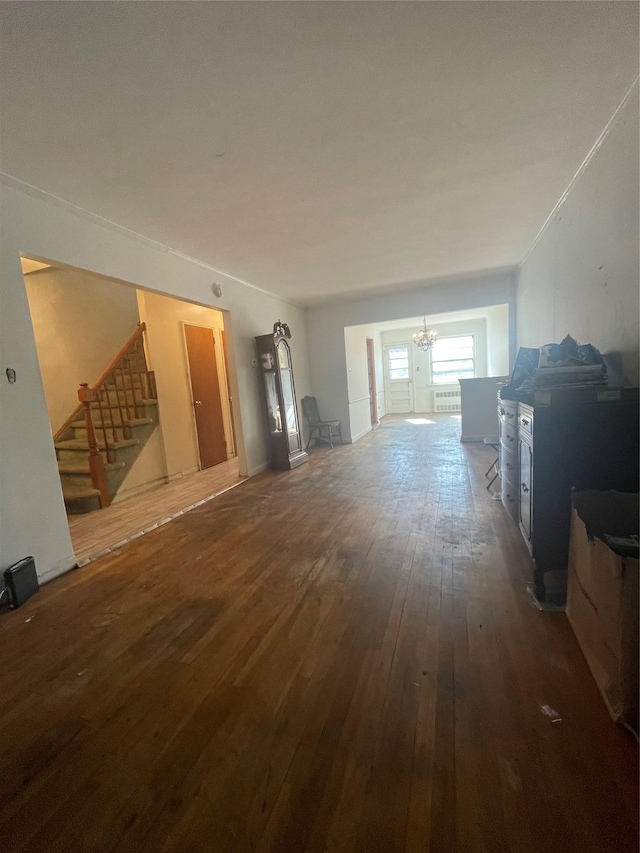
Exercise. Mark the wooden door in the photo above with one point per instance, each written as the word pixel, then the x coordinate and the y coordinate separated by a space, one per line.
pixel 371 369
pixel 205 394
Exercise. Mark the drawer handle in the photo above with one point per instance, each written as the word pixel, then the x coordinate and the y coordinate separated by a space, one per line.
pixel 510 437
pixel 525 422
pixel 510 414
pixel 524 487
pixel 510 466
pixel 508 497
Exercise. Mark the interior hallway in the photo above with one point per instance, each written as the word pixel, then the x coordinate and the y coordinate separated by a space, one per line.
pixel 342 657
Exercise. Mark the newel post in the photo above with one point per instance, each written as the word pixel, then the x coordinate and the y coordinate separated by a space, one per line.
pixel 96 463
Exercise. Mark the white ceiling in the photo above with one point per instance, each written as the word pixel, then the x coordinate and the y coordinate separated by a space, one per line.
pixel 314 149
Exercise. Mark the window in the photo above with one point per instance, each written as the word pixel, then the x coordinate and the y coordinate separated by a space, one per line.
pixel 398 362
pixel 453 359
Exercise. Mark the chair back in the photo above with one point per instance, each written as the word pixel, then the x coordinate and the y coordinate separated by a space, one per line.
pixel 310 409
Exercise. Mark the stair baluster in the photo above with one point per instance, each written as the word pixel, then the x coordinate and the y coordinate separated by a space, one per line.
pixel 123 419
pixel 136 409
pixel 87 396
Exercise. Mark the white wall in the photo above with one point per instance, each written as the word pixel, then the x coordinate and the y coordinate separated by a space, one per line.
pixel 498 362
pixel 168 359
pixel 582 276
pixel 80 323
pixel 358 378
pixel 379 360
pixel 326 325
pixel 149 468
pixel 423 388
pixel 32 516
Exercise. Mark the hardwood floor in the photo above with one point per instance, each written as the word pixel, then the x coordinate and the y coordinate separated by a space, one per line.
pixel 95 533
pixel 338 658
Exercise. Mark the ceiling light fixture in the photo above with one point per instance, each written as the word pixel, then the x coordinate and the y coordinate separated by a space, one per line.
pixel 425 338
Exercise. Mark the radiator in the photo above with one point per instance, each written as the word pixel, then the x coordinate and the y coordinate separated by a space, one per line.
pixel 447 401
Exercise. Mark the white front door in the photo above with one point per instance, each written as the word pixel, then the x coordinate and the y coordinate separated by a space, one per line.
pixel 398 380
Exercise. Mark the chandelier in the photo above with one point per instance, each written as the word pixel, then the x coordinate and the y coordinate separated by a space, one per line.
pixel 425 338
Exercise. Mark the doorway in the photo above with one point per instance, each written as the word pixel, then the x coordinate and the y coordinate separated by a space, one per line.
pixel 205 394
pixel 398 372
pixel 371 372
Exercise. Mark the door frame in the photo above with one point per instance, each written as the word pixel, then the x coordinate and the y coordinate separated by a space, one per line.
pixel 371 371
pixel 227 379
pixel 223 388
pixel 388 382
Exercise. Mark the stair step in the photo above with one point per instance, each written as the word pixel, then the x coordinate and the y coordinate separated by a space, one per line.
pixel 73 492
pixel 131 422
pixel 72 468
pixel 80 499
pixel 76 444
pixel 114 394
pixel 140 401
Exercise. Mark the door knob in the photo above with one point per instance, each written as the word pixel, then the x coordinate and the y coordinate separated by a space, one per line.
pixel 197 402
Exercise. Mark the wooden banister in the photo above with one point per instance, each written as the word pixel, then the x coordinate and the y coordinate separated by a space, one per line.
pixel 137 335
pixel 121 354
pixel 115 403
pixel 96 462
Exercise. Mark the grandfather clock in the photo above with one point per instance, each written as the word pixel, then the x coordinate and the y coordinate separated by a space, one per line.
pixel 279 398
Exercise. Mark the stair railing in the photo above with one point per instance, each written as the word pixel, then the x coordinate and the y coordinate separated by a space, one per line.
pixel 110 405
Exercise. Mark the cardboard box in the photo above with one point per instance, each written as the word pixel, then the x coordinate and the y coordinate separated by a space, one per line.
pixel 602 597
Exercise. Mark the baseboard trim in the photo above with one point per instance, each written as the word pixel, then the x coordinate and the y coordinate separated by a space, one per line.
pixel 259 468
pixel 61 568
pixel 180 474
pixel 138 490
pixel 359 435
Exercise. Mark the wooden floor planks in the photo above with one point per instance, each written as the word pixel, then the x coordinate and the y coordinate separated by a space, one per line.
pixel 338 658
pixel 94 533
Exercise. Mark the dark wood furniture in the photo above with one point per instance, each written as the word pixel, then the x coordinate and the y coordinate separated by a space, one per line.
pixel 563 447
pixel 279 398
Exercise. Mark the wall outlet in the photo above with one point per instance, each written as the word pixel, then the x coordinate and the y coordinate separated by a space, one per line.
pixel 254 362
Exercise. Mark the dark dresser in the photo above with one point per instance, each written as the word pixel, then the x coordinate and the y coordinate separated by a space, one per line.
pixel 509 481
pixel 547 452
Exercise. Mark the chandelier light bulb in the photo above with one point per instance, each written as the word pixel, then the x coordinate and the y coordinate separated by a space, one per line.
pixel 425 338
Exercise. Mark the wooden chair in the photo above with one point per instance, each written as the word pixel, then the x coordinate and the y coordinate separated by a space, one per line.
pixel 319 430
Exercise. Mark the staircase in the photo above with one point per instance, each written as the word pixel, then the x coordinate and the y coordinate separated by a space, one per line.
pixel 103 437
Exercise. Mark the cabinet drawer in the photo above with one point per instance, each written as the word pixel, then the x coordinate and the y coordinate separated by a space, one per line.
pixel 507 411
pixel 509 435
pixel 509 495
pixel 509 465
pixel 525 420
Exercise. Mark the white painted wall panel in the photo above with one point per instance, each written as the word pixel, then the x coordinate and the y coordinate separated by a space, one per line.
pixel 582 276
